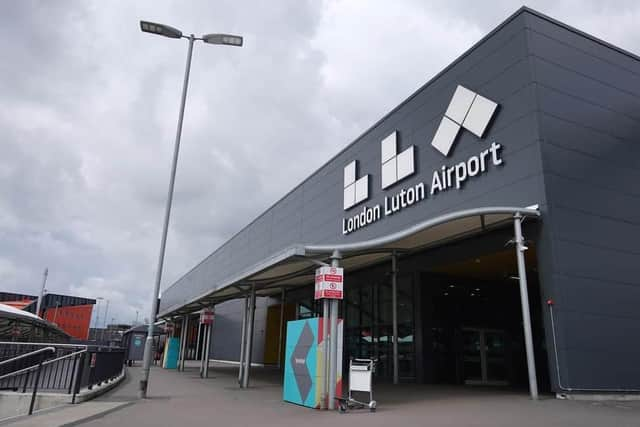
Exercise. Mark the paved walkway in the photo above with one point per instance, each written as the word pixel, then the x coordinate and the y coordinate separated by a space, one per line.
pixel 184 399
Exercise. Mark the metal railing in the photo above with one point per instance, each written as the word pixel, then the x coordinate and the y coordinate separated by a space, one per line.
pixel 70 368
pixel 57 372
pixel 40 354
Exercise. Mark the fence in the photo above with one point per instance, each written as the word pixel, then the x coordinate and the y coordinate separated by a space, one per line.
pixel 57 369
pixel 67 368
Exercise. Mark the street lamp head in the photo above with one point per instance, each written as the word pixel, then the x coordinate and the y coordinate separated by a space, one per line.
pixel 227 39
pixel 161 29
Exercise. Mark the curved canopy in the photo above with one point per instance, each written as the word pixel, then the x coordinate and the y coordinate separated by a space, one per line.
pixel 399 239
pixel 295 265
pixel 21 325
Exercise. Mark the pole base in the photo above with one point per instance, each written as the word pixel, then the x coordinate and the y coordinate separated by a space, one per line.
pixel 142 392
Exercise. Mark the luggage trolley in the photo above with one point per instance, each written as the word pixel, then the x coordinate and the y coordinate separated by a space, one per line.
pixel 360 380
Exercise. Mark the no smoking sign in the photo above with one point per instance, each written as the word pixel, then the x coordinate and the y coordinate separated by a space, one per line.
pixel 329 283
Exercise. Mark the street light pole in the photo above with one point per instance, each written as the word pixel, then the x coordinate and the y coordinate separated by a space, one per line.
pixel 96 325
pixel 41 297
pixel 106 312
pixel 171 32
pixel 163 242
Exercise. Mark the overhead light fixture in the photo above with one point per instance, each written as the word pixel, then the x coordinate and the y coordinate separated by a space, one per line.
pixel 227 39
pixel 160 29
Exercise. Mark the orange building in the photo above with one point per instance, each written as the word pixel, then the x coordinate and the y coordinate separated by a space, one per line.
pixel 73 319
pixel 70 313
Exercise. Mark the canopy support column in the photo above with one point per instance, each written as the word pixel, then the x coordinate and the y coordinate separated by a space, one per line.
pixel 524 299
pixel 183 342
pixel 249 329
pixel 203 329
pixel 198 355
pixel 243 339
pixel 394 314
pixel 281 334
pixel 209 333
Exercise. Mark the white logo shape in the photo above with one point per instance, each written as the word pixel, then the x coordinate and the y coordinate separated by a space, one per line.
pixel 466 110
pixel 355 191
pixel 395 167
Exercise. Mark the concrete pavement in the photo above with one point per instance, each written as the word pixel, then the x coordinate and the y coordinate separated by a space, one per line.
pixel 66 415
pixel 183 399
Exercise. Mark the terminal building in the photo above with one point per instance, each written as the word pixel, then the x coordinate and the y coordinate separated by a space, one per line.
pixel 527 144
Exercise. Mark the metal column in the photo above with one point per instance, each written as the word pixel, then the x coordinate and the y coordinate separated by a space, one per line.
pixel 249 345
pixel 204 347
pixel 183 342
pixel 325 352
pixel 333 340
pixel 207 349
pixel 198 355
pixel 243 339
pixel 280 334
pixel 394 315
pixel 524 300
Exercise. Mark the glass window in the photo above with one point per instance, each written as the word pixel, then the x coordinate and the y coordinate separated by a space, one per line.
pixel 369 324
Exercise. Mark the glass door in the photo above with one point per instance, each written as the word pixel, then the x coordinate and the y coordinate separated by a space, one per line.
pixel 472 356
pixel 484 357
pixel 495 360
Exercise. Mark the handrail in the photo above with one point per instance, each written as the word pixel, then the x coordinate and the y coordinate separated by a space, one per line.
pixel 48 362
pixel 70 372
pixel 43 343
pixel 31 353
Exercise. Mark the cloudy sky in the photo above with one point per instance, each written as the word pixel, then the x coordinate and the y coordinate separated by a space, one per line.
pixel 88 109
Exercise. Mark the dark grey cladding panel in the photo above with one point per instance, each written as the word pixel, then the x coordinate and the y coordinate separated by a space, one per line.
pixel 589 126
pixel 591 338
pixel 596 262
pixel 577 137
pixel 619 298
pixel 586 167
pixel 497 68
pixel 603 232
pixel 601 351
pixel 575 110
pixel 578 47
pixel 554 52
pixel 576 194
pixel 587 88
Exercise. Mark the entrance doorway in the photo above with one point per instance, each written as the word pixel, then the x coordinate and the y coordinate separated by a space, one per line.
pixel 472 323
